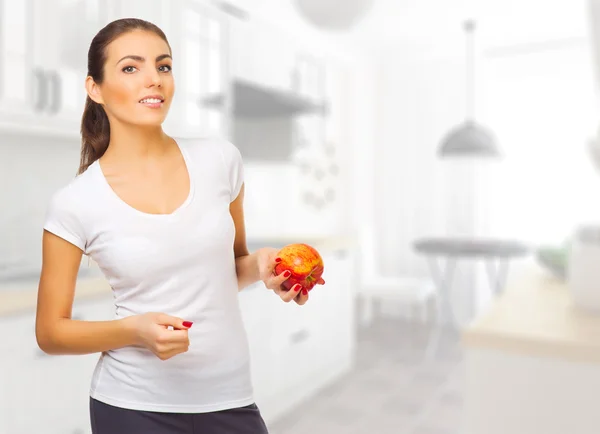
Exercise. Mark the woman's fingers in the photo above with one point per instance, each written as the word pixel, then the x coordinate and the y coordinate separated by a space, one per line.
pixel 276 281
pixel 302 297
pixel 289 295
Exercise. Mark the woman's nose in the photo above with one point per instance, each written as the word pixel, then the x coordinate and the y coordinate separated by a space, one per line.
pixel 153 79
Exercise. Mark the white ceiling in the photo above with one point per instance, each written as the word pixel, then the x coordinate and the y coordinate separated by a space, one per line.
pixel 436 25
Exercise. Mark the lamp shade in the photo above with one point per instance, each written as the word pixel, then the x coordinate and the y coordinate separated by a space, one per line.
pixel 333 14
pixel 469 139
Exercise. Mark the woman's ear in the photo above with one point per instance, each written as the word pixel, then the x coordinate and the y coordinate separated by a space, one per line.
pixel 93 90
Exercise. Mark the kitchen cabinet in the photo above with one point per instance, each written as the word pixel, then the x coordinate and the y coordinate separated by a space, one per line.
pixel 198 38
pixel 269 56
pixel 54 389
pixel 265 55
pixel 43 66
pixel 531 360
pixel 16 65
pixel 296 350
pixel 256 304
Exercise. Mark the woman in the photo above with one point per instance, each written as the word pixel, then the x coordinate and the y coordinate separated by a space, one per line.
pixel 163 218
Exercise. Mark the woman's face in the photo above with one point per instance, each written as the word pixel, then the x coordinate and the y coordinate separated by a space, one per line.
pixel 138 83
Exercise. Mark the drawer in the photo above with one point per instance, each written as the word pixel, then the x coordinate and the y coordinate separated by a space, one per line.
pixel 293 361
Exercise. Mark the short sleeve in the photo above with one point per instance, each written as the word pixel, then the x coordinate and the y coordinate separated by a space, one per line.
pixel 235 168
pixel 62 218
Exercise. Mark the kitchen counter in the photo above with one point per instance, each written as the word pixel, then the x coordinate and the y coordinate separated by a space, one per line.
pixel 321 243
pixel 19 296
pixel 535 316
pixel 532 362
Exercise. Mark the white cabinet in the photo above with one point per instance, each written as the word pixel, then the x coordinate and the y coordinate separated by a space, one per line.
pixel 269 56
pixel 43 60
pixel 43 65
pixel 262 54
pixel 61 58
pixel 198 38
pixel 16 65
pixel 296 350
pixel 42 393
pixel 256 304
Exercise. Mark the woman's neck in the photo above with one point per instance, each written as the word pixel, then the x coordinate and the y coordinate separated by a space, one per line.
pixel 137 144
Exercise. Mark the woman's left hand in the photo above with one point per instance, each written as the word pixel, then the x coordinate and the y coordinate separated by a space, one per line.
pixel 266 265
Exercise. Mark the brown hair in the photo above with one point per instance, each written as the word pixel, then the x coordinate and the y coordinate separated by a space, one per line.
pixel 95 128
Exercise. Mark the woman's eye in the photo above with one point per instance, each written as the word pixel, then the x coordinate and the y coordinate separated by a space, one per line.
pixel 168 68
pixel 128 69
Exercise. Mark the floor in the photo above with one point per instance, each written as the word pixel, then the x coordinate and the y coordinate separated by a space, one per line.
pixel 394 389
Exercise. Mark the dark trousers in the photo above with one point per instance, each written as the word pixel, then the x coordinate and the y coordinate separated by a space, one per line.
pixel 107 419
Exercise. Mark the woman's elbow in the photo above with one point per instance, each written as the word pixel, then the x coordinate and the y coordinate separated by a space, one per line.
pixel 44 339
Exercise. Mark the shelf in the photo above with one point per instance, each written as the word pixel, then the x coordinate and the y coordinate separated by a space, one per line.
pixel 256 101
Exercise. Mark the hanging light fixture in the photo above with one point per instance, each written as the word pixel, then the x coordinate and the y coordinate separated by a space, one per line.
pixel 335 15
pixel 469 139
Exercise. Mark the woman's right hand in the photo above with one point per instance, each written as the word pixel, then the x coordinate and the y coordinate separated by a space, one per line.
pixel 152 332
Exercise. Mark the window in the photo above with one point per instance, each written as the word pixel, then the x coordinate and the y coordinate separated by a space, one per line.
pixel 542 107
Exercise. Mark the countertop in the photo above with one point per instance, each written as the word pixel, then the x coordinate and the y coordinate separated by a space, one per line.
pixel 21 296
pixel 535 316
pixel 321 243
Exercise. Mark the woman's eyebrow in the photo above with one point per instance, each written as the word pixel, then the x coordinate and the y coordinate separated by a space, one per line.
pixel 141 59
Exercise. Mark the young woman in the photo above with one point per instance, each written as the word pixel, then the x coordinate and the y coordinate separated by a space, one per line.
pixel 163 218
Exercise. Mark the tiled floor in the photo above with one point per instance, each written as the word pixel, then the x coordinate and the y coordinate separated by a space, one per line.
pixel 394 389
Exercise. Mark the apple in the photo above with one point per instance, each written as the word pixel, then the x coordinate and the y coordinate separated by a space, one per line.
pixel 305 264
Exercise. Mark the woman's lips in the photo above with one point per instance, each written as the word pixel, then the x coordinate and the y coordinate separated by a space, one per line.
pixel 152 102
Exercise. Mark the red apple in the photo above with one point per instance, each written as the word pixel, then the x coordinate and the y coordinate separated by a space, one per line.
pixel 305 264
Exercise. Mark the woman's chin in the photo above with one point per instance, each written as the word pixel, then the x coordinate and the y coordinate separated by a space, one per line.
pixel 155 122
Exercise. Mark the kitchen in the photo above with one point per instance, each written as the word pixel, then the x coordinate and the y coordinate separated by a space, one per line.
pixel 339 140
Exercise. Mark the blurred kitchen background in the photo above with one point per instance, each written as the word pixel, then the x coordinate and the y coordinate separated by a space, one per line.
pixel 441 155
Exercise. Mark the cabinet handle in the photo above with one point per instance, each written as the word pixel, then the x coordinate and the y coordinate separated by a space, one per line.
pixel 299 336
pixel 40 96
pixel 56 92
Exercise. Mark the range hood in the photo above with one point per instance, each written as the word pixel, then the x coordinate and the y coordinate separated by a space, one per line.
pixel 253 100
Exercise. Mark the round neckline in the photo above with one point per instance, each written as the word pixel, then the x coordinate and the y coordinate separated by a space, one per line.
pixel 175 212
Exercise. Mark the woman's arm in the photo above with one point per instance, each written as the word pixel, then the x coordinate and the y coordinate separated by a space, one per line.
pixel 246 264
pixel 57 333
pixel 259 265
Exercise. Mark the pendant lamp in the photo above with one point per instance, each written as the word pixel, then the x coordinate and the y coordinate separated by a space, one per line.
pixel 333 15
pixel 469 139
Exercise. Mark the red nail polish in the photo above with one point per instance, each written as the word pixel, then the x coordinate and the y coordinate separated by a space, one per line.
pixel 278 260
pixel 304 292
pixel 187 324
pixel 297 287
pixel 287 273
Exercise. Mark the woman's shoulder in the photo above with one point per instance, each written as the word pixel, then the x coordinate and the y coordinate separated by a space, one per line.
pixel 77 192
pixel 217 146
pixel 206 143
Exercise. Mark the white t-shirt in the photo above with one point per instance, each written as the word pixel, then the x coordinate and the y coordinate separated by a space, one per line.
pixel 181 264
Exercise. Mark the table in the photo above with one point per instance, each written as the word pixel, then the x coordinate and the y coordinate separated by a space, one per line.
pixel 454 248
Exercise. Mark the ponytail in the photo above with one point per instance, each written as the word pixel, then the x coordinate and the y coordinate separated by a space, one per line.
pixel 95 134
